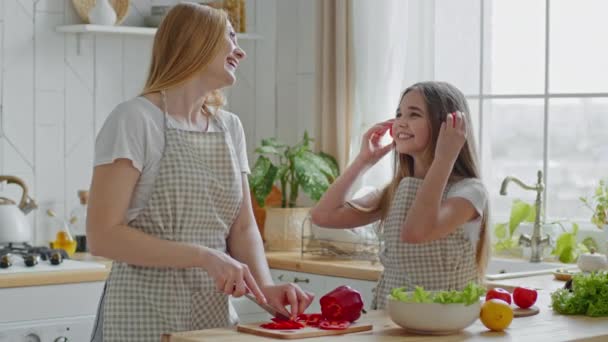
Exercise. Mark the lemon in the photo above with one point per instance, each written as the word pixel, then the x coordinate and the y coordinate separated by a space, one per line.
pixel 496 314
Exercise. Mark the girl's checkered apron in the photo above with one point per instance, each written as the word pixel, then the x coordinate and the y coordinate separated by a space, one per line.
pixel 444 264
pixel 196 197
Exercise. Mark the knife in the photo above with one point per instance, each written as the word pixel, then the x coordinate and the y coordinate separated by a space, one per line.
pixel 267 307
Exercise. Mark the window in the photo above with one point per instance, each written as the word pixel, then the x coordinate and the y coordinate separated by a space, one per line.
pixel 536 74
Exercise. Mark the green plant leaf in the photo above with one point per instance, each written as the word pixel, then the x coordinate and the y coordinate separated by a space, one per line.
pixel 565 247
pixel 332 162
pixel 531 214
pixel 267 150
pixel 319 163
pixel 500 230
pixel 311 179
pixel 261 179
pixel 589 243
pixel 520 210
pixel 272 142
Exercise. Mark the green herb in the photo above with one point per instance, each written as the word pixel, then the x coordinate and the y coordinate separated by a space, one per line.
pixel 469 295
pixel 589 296
pixel 294 167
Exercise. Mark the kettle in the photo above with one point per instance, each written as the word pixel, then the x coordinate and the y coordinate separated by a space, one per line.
pixel 14 227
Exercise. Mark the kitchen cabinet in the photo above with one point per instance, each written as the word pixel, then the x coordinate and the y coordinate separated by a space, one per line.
pixel 50 312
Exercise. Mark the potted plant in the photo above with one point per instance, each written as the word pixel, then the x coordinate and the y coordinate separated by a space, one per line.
pixel 292 168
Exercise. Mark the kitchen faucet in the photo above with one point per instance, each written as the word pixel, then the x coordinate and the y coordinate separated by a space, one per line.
pixel 536 242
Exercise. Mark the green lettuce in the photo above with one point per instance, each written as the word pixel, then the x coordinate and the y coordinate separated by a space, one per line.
pixel 588 296
pixel 469 295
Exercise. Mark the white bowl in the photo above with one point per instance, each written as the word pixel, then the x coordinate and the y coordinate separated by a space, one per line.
pixel 432 318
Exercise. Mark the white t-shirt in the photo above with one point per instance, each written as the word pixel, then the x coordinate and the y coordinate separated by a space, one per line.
pixel 471 189
pixel 135 131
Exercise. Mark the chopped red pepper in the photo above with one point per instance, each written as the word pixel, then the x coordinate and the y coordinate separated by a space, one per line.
pixel 314 320
pixel 334 325
pixel 342 304
pixel 280 324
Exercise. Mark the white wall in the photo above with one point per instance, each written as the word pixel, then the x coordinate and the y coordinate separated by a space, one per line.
pixel 55 98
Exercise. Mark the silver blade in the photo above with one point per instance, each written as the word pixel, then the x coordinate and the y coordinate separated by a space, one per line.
pixel 267 307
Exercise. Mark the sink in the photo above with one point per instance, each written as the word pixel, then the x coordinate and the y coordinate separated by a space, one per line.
pixel 504 268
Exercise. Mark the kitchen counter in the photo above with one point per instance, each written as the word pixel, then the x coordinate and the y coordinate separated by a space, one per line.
pixel 59 276
pixel 324 265
pixel 546 326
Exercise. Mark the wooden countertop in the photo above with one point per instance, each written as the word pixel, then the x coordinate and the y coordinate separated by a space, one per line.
pixel 546 326
pixel 322 265
pixel 60 276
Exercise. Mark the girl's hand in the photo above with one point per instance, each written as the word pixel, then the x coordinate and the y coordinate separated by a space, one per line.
pixel 452 136
pixel 371 147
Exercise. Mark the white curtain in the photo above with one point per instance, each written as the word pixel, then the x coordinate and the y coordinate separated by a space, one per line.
pixel 393 47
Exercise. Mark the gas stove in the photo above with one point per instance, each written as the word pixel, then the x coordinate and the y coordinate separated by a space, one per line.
pixel 24 258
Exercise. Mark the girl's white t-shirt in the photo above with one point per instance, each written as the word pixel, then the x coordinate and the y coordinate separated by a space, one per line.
pixel 135 131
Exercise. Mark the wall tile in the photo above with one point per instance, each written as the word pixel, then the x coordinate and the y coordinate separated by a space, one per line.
pixel 51 6
pixel 49 49
pixel 109 76
pixel 78 111
pixel 18 80
pixel 137 54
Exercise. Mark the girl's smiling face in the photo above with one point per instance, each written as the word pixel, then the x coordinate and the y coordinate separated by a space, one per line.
pixel 412 127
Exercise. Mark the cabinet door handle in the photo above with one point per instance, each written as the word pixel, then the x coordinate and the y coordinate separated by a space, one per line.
pixel 280 277
pixel 303 280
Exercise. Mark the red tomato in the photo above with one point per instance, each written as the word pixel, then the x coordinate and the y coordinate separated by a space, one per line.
pixel 334 325
pixel 499 293
pixel 524 297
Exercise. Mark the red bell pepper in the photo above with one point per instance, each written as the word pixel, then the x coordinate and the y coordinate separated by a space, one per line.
pixel 342 304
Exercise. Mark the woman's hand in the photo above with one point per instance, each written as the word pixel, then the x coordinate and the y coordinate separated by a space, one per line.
pixel 371 147
pixel 452 136
pixel 288 294
pixel 231 276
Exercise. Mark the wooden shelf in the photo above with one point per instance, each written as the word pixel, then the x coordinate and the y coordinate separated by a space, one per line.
pixel 128 30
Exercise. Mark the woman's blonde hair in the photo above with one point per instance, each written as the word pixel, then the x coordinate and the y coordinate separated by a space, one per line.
pixel 187 40
pixel 442 98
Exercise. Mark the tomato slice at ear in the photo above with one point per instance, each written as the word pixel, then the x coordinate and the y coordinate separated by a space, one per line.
pixel 334 325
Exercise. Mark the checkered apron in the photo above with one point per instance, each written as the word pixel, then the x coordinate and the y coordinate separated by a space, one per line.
pixel 196 197
pixel 444 264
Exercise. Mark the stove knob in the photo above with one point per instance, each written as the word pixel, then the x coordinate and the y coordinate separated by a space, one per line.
pixel 32 338
pixel 30 260
pixel 56 258
pixel 61 339
pixel 5 261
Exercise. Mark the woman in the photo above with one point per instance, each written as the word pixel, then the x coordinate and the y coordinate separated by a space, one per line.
pixel 169 198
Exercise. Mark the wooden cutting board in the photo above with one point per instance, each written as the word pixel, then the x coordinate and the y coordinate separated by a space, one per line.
pixel 305 332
